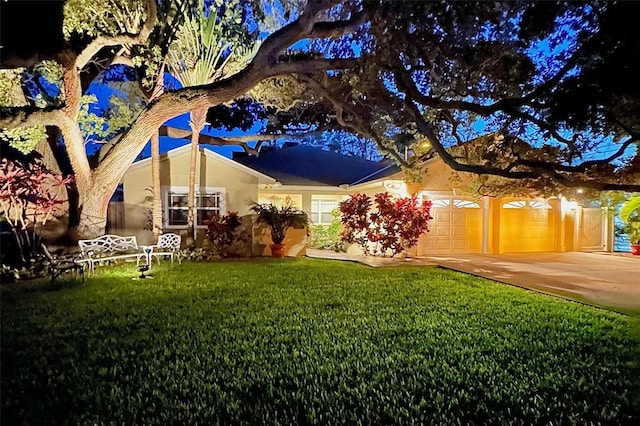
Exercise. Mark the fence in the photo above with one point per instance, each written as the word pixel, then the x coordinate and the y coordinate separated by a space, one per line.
pixel 115 217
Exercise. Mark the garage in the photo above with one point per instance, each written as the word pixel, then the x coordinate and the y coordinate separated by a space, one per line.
pixel 456 227
pixel 527 226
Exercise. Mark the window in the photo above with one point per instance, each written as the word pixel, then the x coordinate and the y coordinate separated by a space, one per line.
pixel 321 211
pixel 515 205
pixel 440 203
pixel 461 204
pixel 465 204
pixel 539 205
pixel 522 204
pixel 209 202
pixel 177 209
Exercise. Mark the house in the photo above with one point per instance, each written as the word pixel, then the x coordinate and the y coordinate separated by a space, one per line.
pixel 222 185
pixel 316 181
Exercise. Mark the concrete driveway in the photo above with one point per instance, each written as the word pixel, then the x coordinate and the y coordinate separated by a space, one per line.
pixel 605 280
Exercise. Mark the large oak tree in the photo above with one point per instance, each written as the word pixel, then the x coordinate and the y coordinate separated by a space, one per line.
pixel 117 33
pixel 542 92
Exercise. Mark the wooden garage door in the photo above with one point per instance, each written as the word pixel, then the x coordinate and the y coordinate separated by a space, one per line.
pixel 456 227
pixel 527 225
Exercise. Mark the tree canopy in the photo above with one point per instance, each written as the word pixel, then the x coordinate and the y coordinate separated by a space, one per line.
pixel 542 92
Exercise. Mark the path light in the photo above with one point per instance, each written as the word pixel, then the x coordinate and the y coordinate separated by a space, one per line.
pixel 142 269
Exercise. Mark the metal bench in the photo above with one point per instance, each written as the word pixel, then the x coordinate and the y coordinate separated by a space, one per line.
pixel 168 246
pixel 59 264
pixel 110 248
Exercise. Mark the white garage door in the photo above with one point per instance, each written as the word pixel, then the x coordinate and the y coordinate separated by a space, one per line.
pixel 456 227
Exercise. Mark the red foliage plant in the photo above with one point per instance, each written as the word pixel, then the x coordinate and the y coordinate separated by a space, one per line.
pixel 30 193
pixel 220 231
pixel 393 227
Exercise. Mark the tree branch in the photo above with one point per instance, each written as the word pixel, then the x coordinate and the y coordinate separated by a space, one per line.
pixel 358 126
pixel 103 41
pixel 535 170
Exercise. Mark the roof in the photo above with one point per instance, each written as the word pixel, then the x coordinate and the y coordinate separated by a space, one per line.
pixel 262 178
pixel 306 165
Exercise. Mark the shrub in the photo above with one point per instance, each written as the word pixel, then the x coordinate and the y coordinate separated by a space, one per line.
pixel 30 195
pixel 193 255
pixel 630 215
pixel 221 233
pixel 327 237
pixel 392 228
pixel 279 219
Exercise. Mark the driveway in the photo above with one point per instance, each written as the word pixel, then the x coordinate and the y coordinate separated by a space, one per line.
pixel 600 279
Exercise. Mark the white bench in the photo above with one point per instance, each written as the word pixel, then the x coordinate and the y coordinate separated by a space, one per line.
pixel 109 248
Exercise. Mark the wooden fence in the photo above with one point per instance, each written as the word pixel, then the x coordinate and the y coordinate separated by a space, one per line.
pixel 115 217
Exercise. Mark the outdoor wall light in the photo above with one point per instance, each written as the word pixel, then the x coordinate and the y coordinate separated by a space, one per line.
pixel 569 205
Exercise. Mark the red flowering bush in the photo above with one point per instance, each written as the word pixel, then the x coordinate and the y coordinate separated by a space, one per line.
pixel 393 227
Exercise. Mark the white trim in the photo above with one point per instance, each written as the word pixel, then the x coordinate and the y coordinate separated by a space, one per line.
pixel 436 193
pixel 319 212
pixel 185 189
pixel 365 179
pixel 262 178
pixel 290 188
pixel 376 183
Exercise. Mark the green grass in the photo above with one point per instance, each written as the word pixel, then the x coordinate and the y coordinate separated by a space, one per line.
pixel 303 341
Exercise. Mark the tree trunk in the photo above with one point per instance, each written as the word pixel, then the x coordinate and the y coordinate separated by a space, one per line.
pixel 155 176
pixel 93 217
pixel 197 122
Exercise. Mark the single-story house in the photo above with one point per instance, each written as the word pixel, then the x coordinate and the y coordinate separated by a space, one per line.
pixel 316 181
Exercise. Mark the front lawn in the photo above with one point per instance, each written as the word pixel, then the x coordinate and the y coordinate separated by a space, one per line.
pixel 307 341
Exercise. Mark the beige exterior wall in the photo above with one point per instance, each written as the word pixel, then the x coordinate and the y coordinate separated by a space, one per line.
pixel 501 231
pixel 240 187
pixel 300 198
pixel 440 177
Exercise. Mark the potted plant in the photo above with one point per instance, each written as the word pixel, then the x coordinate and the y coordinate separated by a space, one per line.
pixel 279 219
pixel 630 215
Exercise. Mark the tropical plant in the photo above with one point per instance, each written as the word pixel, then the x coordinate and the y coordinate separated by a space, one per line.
pixel 394 226
pixel 221 232
pixel 30 195
pixel 630 215
pixel 279 219
pixel 206 50
pixel 327 237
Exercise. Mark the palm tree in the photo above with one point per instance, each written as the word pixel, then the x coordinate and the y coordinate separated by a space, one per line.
pixel 205 50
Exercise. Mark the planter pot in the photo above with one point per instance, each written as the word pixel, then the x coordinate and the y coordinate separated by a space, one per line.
pixel 635 249
pixel 277 250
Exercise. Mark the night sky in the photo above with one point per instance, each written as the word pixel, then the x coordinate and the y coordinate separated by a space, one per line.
pixel 28 27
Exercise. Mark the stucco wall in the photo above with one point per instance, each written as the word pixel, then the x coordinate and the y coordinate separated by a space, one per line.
pixel 240 188
pixel 440 177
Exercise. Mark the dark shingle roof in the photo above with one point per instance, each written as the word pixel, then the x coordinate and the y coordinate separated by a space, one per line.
pixel 306 165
